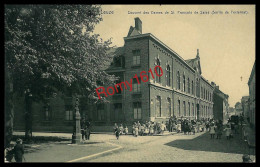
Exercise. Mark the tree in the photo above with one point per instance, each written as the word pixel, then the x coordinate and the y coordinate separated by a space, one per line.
pixel 45 44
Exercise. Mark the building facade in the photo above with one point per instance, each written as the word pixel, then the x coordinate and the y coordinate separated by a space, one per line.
pixel 245 106
pixel 238 109
pixel 176 88
pixel 252 90
pixel 221 105
pixel 181 91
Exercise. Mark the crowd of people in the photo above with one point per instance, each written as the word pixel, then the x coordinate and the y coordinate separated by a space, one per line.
pixel 181 125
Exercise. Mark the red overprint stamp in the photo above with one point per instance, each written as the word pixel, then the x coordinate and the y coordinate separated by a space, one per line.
pixel 110 90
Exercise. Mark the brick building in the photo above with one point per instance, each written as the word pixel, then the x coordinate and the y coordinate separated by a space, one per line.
pixel 245 106
pixel 252 90
pixel 221 106
pixel 181 91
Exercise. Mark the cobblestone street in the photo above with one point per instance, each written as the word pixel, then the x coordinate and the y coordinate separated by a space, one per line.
pixel 175 148
pixel 166 148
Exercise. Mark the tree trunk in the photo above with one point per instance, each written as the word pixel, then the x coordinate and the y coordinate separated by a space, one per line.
pixel 9 112
pixel 28 116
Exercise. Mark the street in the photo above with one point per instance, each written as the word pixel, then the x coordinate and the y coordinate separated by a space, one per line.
pixel 166 148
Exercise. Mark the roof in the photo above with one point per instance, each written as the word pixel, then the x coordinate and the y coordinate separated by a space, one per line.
pixel 252 74
pixel 116 51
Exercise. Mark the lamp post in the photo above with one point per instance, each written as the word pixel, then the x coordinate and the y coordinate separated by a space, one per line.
pixel 76 137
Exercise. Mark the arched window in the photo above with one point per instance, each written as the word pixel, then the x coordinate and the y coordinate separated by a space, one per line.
pixel 169 107
pixel 158 106
pixel 192 88
pixel 168 76
pixel 158 79
pixel 184 83
pixel 178 80
pixel 188 85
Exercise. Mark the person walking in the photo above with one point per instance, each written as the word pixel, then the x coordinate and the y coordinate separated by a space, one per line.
pixel 151 130
pixel 126 130
pixel 87 130
pixel 136 130
pixel 18 150
pixel 212 131
pixel 83 128
pixel 228 132
pixel 219 131
pixel 117 132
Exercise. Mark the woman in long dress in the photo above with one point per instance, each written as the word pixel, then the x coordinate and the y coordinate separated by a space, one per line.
pixel 228 132
pixel 136 131
pixel 151 132
pixel 212 131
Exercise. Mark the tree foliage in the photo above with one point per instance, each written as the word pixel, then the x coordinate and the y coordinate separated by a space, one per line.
pixel 44 44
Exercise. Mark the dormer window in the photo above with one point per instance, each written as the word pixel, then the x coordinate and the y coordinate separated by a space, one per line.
pixel 119 61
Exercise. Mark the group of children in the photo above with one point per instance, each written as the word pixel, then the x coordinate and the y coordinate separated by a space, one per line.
pixel 138 129
pixel 148 128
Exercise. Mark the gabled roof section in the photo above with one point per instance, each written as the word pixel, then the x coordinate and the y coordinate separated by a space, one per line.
pixel 195 63
pixel 133 31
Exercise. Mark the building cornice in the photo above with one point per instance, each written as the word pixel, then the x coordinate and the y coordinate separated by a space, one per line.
pixel 162 44
pixel 149 35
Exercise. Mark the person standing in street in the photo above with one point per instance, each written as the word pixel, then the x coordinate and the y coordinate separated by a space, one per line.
pixel 228 132
pixel 18 150
pixel 87 131
pixel 117 132
pixel 83 128
pixel 212 131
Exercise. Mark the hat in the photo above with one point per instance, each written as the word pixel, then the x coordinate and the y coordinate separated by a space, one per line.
pixel 19 140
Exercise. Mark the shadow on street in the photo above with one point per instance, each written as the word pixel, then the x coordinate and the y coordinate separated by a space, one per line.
pixel 204 143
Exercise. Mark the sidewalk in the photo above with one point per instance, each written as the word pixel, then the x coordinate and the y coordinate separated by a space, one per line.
pixel 69 135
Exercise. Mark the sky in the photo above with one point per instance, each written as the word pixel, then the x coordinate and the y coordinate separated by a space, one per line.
pixel 226 41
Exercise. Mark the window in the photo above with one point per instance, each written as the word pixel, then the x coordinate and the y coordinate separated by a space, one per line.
pixel 158 106
pixel 204 95
pixel 193 114
pixel 68 113
pixel 184 108
pixel 178 80
pixel 179 108
pixel 137 110
pixel 183 83
pixel 188 85
pixel 117 61
pixel 117 113
pixel 47 113
pixel 197 88
pixel 100 112
pixel 168 75
pixel 169 107
pixel 158 79
pixel 136 86
pixel 192 87
pixel 202 111
pixel 201 92
pixel 136 57
pixel 189 108
pixel 118 87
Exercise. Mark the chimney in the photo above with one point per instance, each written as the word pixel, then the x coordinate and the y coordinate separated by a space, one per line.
pixel 138 24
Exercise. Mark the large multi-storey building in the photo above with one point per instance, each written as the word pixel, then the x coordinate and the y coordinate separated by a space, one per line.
pixel 251 85
pixel 180 90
